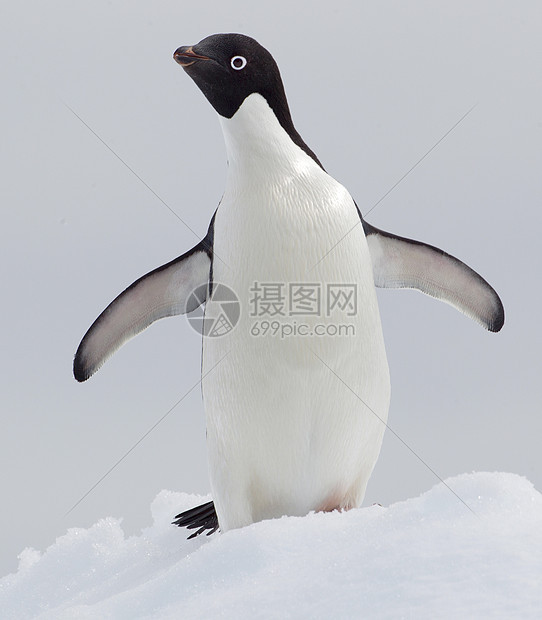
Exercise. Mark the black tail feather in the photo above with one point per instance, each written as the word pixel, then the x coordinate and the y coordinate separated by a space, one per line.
pixel 202 517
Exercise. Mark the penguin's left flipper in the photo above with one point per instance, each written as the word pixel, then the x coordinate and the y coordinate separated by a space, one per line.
pixel 166 291
pixel 404 263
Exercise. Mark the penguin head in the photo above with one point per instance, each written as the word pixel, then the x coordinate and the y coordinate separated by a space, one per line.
pixel 229 67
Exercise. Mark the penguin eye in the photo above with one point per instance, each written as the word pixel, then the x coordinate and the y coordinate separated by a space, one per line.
pixel 238 62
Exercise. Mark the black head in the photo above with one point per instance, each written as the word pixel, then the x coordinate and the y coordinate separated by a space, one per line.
pixel 229 67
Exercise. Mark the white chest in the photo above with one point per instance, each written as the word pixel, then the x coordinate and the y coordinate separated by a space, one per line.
pixel 277 417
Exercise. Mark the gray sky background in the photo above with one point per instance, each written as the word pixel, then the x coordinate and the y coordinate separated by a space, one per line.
pixel 372 87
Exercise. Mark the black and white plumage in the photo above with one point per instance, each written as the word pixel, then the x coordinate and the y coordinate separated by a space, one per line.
pixel 284 435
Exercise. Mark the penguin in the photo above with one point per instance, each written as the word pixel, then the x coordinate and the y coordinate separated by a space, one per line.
pixel 294 421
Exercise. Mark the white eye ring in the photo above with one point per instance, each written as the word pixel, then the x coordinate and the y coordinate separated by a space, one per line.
pixel 238 63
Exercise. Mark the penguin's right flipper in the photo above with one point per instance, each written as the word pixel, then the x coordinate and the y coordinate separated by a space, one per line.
pixel 405 263
pixel 203 517
pixel 166 291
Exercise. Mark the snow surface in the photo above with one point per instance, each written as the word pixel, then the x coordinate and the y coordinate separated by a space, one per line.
pixel 427 557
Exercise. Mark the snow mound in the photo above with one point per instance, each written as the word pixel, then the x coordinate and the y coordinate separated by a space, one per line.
pixel 427 557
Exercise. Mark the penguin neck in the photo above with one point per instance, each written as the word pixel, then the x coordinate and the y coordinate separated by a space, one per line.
pixel 260 148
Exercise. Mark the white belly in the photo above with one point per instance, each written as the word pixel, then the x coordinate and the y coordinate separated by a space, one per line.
pixel 294 423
